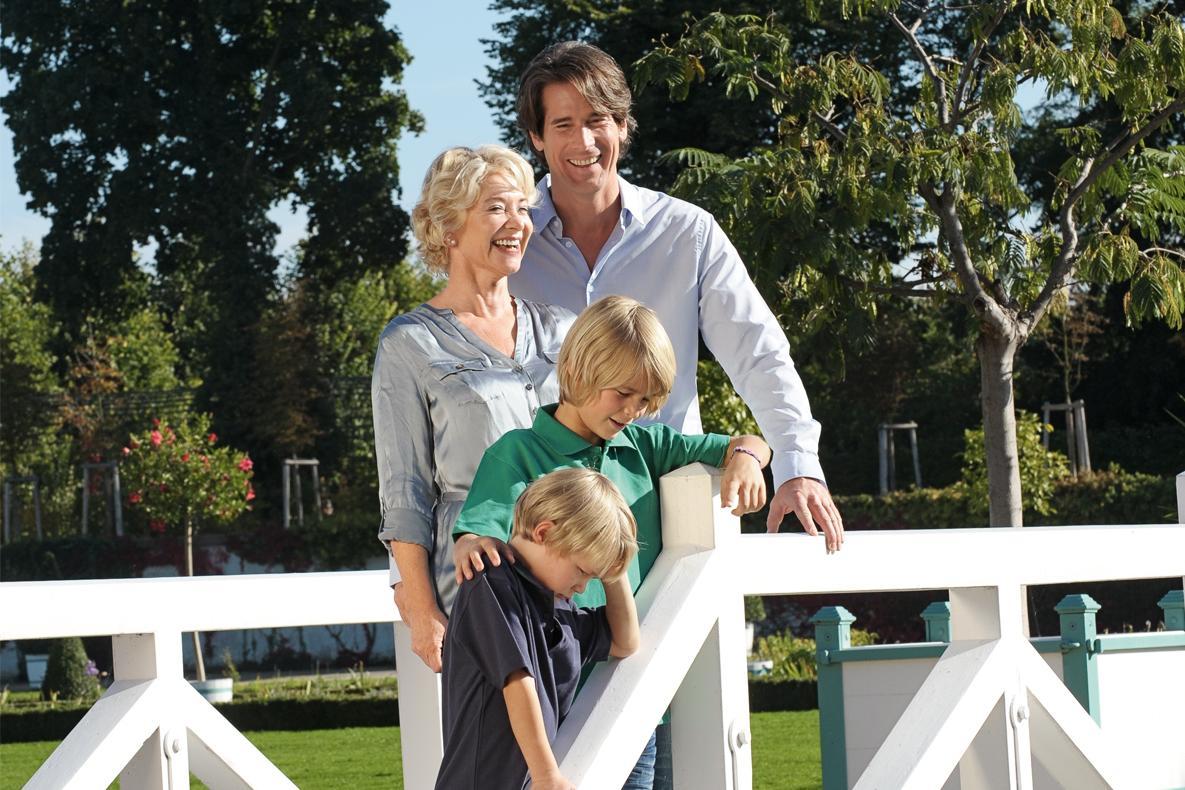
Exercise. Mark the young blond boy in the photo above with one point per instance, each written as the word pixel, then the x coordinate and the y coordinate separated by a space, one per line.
pixel 616 365
pixel 516 644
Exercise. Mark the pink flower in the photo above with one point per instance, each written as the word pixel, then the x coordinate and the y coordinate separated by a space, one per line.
pixel 205 460
pixel 155 438
pixel 163 488
pixel 134 444
pixel 157 525
pixel 250 493
pixel 155 422
pixel 135 497
pixel 127 451
pixel 245 465
pixel 212 438
pixel 185 458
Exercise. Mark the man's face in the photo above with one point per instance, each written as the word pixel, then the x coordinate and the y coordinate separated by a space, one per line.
pixel 581 145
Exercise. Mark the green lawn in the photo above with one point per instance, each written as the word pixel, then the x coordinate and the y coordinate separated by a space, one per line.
pixel 785 755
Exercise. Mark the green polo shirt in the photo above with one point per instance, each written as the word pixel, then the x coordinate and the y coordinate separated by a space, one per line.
pixel 634 460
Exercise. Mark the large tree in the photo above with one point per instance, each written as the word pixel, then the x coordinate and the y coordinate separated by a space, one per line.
pixel 850 157
pixel 178 126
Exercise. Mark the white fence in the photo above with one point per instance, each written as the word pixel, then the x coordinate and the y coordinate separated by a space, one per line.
pixel 151 729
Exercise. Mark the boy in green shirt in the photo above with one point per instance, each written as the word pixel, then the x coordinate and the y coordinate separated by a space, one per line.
pixel 616 365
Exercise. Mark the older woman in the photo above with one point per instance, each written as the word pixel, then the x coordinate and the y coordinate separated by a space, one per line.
pixel 457 372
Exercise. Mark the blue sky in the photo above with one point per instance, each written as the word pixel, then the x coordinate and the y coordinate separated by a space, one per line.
pixel 443 38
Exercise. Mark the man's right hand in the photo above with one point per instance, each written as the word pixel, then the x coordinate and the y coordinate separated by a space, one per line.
pixel 427 624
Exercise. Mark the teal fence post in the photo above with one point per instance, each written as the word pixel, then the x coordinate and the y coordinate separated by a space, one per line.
pixel 1173 605
pixel 1079 668
pixel 937 617
pixel 833 631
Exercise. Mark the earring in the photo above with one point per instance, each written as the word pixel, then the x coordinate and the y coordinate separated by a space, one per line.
pixel 451 242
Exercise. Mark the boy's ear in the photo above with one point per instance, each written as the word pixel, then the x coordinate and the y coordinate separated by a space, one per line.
pixel 539 533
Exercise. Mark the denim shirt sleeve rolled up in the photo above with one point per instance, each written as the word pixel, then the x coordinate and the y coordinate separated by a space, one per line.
pixel 440 396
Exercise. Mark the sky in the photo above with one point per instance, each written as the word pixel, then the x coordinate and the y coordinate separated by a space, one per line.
pixel 443 37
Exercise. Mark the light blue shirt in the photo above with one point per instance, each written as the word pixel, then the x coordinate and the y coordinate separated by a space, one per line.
pixel 674 257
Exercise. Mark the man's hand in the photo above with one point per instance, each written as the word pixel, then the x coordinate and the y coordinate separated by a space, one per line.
pixel 427 624
pixel 811 501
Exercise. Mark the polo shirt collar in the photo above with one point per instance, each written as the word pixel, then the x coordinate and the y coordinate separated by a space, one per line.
pixel 564 440
pixel 632 206
pixel 544 597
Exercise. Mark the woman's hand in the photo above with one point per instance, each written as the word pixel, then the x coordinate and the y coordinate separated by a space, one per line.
pixel 427 624
pixel 468 551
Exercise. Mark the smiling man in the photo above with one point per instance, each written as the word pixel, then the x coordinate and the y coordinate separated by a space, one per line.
pixel 597 234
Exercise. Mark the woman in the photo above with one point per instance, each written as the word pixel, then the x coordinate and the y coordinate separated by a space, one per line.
pixel 457 372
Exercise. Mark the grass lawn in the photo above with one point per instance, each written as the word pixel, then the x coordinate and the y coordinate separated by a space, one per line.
pixel 785 755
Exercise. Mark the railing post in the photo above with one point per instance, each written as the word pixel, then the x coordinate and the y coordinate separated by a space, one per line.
pixel 833 631
pixel 421 724
pixel 1173 606
pixel 1079 669
pixel 163 760
pixel 710 739
pixel 937 619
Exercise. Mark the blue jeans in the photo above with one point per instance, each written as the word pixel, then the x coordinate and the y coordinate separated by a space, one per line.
pixel 642 776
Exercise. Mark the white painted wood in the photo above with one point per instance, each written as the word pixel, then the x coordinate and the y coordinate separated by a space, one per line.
pixel 229 759
pixel 924 746
pixel 1181 498
pixel 110 733
pixel 420 706
pixel 147 657
pixel 985 612
pixel 1142 707
pixel 622 701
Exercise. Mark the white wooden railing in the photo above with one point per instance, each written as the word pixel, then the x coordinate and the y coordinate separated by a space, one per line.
pixel 151 729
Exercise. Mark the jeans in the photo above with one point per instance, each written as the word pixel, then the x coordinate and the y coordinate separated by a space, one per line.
pixel 663 776
pixel 642 776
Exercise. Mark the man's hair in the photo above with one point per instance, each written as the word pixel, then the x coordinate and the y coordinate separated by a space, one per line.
pixel 590 516
pixel 611 343
pixel 590 70
pixel 451 188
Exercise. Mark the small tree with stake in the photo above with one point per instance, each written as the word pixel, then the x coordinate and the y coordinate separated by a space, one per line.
pixel 928 161
pixel 180 479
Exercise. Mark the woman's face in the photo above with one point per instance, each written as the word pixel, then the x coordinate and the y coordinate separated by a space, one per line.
pixel 495 232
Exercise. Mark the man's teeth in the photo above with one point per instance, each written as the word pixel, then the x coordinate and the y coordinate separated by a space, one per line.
pixel 585 162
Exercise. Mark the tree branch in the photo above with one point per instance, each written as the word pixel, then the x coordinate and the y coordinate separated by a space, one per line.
pixel 1063 265
pixel 973 58
pixel 909 288
pixel 927 64
pixel 832 129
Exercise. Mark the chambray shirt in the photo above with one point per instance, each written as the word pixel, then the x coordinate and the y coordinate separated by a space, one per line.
pixel 440 396
pixel 674 257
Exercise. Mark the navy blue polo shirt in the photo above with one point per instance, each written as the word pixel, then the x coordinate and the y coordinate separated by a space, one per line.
pixel 505 620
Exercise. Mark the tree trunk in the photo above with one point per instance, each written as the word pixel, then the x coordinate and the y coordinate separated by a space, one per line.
pixel 999 428
pixel 197 638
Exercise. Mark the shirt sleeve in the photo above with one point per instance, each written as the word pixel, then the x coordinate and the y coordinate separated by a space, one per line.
pixel 489 507
pixel 669 449
pixel 490 628
pixel 743 334
pixel 591 626
pixel 402 448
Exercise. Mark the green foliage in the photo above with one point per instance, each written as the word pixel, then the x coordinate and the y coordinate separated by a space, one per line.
pixel 143 352
pixel 178 477
pixel 794 657
pixel 1040 469
pixel 754 609
pixel 721 409
pixel 69 675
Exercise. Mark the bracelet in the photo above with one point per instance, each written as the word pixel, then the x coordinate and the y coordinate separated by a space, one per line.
pixel 749 453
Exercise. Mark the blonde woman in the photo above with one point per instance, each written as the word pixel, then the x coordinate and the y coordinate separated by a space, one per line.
pixel 457 372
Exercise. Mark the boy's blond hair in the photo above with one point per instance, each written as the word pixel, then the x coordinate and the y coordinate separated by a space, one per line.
pixel 613 341
pixel 590 516
pixel 451 188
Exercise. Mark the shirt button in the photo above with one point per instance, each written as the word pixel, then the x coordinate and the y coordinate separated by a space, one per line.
pixel 518 368
pixel 460 367
pixel 530 386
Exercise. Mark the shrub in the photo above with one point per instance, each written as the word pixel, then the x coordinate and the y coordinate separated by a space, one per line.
pixel 754 609
pixel 1040 469
pixel 69 675
pixel 794 657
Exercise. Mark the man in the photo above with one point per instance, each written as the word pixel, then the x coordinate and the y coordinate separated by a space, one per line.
pixel 596 234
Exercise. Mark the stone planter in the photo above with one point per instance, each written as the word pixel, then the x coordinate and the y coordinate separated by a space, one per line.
pixel 759 667
pixel 35 669
pixel 215 689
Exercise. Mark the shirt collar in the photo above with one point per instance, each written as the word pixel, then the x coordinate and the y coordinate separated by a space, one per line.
pixel 564 440
pixel 544 597
pixel 632 207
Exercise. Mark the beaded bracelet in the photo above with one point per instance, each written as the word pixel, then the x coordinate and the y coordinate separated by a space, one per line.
pixel 749 453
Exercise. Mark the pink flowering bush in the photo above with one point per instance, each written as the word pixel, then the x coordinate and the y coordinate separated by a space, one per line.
pixel 178 477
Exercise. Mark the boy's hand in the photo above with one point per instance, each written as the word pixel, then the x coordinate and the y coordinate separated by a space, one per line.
pixel 742 485
pixel 467 553
pixel 555 781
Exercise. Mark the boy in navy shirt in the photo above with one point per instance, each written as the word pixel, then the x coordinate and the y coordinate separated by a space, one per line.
pixel 516 644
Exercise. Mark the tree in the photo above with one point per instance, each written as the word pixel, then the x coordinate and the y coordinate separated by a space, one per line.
pixel 847 161
pixel 181 125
